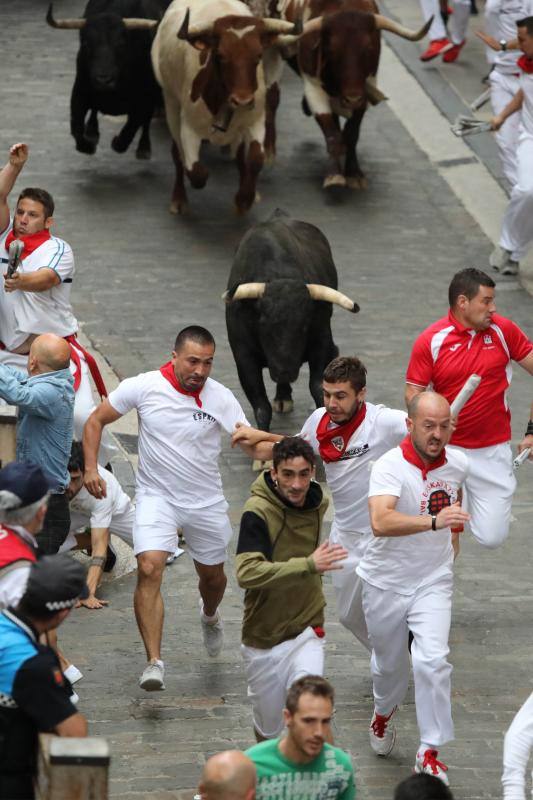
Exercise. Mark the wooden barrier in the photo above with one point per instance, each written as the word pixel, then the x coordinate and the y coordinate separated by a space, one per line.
pixel 72 768
pixel 8 434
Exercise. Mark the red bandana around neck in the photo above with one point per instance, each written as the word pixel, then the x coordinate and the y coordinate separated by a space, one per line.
pixel 525 64
pixel 167 371
pixel 334 441
pixel 410 455
pixel 31 241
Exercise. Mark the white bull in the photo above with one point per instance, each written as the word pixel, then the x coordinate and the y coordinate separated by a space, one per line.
pixel 207 60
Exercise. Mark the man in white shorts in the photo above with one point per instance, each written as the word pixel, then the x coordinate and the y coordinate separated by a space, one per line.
pixel 113 513
pixel 407 573
pixel 36 299
pixel 181 413
pixel 472 338
pixel 279 563
pixel 349 434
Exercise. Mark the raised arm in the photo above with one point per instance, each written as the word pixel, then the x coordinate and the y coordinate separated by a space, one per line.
pixel 386 521
pixel 103 415
pixel 18 155
pixel 255 443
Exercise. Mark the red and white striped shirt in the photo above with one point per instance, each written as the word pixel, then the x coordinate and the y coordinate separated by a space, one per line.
pixel 447 353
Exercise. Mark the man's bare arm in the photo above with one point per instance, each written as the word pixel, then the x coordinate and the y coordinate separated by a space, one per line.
pixel 38 281
pixel 18 155
pixel 103 415
pixel 76 726
pixel 99 543
pixel 511 108
pixel 386 521
pixel 411 390
pixel 254 442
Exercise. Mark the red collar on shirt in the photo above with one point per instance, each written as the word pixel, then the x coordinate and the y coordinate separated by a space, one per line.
pixel 525 64
pixel 332 442
pixel 167 371
pixel 31 241
pixel 410 455
pixel 459 327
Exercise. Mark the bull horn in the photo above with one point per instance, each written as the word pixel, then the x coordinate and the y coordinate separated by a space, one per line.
pixel 329 295
pixel 386 24
pixel 374 94
pixel 312 25
pixel 67 24
pixel 245 291
pixel 136 24
pixel 286 40
pixel 277 25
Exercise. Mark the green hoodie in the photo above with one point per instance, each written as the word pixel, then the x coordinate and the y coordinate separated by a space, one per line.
pixel 283 589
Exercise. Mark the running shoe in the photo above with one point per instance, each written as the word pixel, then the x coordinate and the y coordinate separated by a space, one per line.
pixel 453 53
pixel 73 674
pixel 213 633
pixel 501 261
pixel 437 47
pixel 382 735
pixel 427 762
pixel 152 679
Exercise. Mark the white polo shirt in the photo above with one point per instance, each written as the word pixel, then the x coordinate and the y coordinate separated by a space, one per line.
pixel 106 512
pixel 179 443
pixel 24 313
pixel 347 478
pixel 404 564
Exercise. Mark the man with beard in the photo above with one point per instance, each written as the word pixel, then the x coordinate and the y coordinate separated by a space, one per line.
pixel 181 413
pixel 348 433
pixel 408 578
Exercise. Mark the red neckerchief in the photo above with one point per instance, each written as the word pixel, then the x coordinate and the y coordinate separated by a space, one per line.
pixel 332 442
pixel 167 371
pixel 31 241
pixel 525 64
pixel 410 455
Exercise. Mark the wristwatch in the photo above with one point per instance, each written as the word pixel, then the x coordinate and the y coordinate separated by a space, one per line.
pixel 433 522
pixel 503 45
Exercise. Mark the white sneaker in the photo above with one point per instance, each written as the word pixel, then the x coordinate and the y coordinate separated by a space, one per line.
pixel 173 556
pixel 500 260
pixel 427 762
pixel 382 735
pixel 213 633
pixel 73 674
pixel 152 678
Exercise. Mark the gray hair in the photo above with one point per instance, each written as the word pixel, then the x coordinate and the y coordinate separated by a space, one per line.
pixel 20 516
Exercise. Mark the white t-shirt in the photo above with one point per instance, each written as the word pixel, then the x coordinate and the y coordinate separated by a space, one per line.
pixel 405 563
pixel 381 429
pixel 24 313
pixel 179 443
pixel 526 84
pixel 106 512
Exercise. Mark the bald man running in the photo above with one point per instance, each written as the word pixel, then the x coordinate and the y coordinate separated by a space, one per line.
pixel 45 399
pixel 228 776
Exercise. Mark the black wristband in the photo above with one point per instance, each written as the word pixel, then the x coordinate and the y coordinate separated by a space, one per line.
pixel 433 522
pixel 529 429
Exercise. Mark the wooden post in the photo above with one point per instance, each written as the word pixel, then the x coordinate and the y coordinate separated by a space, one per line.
pixel 8 434
pixel 72 768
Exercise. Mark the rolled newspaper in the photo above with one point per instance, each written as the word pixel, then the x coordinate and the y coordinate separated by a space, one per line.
pixel 521 457
pixel 465 394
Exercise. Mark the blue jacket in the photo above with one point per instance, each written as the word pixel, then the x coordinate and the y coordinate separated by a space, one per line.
pixel 45 422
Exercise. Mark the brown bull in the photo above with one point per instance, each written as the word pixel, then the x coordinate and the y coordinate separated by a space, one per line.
pixel 338 57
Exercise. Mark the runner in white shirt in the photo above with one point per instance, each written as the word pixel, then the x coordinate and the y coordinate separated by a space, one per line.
pixel 408 578
pixel 113 513
pixel 349 434
pixel 517 226
pixel 517 747
pixel 36 299
pixel 181 414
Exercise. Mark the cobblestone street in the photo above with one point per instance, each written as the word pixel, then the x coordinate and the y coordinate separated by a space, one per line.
pixel 143 274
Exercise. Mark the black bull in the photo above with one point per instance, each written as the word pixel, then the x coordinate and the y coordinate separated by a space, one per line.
pixel 273 316
pixel 114 72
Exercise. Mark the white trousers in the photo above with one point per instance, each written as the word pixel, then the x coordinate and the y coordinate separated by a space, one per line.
pixel 348 585
pixel 84 403
pixel 427 614
pixel 431 8
pixel 517 226
pixel 503 88
pixel 271 672
pixel 517 747
pixel 458 22
pixel 489 492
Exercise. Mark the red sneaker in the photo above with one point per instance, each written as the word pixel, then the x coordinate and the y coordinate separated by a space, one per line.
pixel 453 53
pixel 436 48
pixel 427 762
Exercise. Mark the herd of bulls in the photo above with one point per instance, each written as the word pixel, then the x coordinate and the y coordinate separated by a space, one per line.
pixel 217 65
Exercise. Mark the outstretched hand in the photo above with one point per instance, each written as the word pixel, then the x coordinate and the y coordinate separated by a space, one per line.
pixel 246 435
pixel 18 154
pixel 327 556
